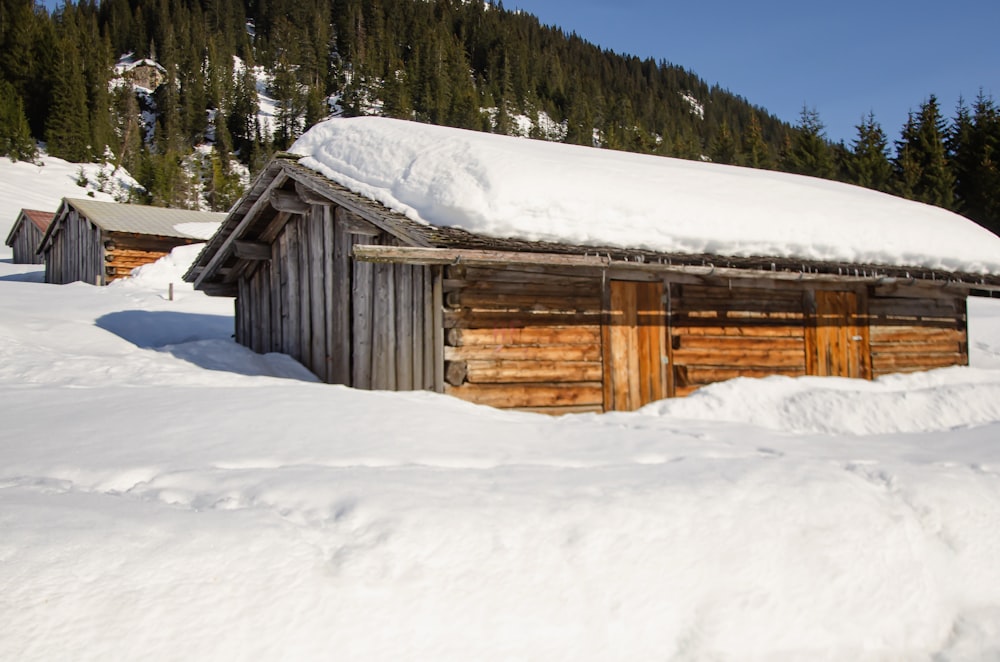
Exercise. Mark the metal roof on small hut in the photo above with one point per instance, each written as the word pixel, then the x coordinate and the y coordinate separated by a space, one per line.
pixel 98 242
pixel 26 235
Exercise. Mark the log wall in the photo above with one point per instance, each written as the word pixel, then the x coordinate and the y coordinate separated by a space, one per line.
pixel 129 251
pixel 370 326
pixel 524 338
pixel 26 243
pixel 909 334
pixel 724 332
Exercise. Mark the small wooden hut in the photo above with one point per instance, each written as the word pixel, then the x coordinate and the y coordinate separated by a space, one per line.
pixel 98 242
pixel 365 296
pixel 26 235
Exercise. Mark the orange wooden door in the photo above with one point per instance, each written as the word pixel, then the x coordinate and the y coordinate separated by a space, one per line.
pixel 841 347
pixel 634 346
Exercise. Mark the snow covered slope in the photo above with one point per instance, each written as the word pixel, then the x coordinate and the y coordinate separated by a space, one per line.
pixel 535 190
pixel 43 185
pixel 167 495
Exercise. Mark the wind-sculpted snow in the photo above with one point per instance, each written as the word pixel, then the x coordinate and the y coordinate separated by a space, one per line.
pixel 168 495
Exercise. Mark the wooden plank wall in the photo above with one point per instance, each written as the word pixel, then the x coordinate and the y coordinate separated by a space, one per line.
pixel 25 242
pixel 76 253
pixel 524 338
pixel 916 329
pixel 719 333
pixel 366 325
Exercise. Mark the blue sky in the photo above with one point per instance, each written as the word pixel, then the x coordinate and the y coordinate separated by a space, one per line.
pixel 842 58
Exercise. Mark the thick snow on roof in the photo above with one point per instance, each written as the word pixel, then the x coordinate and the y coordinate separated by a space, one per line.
pixel 510 187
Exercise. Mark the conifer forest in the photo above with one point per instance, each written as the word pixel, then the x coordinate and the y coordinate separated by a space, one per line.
pixel 194 135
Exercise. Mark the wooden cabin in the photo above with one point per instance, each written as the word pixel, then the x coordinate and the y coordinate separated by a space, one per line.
pixel 99 242
pixel 26 235
pixel 364 296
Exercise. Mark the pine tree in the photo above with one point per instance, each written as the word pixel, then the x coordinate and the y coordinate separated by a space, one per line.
pixel 68 128
pixel 755 153
pixel 929 178
pixel 868 162
pixel 724 149
pixel 906 168
pixel 809 153
pixel 15 136
pixel 974 150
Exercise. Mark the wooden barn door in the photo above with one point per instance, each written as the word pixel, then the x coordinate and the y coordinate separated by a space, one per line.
pixel 634 338
pixel 838 346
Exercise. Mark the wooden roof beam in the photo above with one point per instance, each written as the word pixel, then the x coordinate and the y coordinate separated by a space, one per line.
pixel 492 258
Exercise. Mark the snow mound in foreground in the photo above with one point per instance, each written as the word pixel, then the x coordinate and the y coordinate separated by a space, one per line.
pixel 933 401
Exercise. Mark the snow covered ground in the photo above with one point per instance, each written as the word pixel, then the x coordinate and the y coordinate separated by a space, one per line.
pixel 167 495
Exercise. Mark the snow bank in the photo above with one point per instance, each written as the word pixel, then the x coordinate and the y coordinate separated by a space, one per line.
pixel 507 187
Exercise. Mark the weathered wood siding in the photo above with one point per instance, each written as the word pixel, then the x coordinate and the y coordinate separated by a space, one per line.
pixel 366 325
pixel 525 338
pixel 76 252
pixel 26 243
pixel 723 332
pixel 916 329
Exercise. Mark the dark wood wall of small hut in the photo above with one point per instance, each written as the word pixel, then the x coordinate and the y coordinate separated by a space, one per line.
pixel 75 252
pixel 26 242
pixel 371 326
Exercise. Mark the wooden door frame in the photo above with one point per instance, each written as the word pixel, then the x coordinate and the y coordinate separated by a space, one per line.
pixel 661 350
pixel 856 330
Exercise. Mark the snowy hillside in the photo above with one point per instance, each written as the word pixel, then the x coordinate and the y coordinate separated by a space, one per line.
pixel 42 185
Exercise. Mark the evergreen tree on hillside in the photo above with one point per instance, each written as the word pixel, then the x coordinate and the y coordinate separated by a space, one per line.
pixel 68 129
pixel 15 136
pixel 724 148
pixel 974 150
pixel 809 153
pixel 930 178
pixel 755 153
pixel 906 167
pixel 868 162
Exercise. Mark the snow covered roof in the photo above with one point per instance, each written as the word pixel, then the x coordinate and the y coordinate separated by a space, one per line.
pixel 529 190
pixel 139 219
pixel 128 63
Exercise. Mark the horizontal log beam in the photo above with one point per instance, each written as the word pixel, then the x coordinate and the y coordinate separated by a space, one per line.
pixel 311 195
pixel 289 202
pixel 534 335
pixel 524 352
pixel 219 289
pixel 530 395
pixel 251 250
pixel 507 372
pixel 500 258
